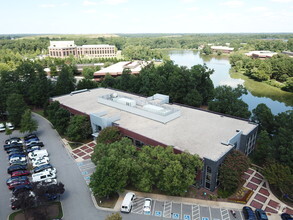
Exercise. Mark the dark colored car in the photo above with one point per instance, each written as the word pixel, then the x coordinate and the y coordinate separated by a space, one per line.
pixel 31 149
pixel 20 173
pixel 31 140
pixel 42 167
pixel 16 155
pixel 15 151
pixel 18 183
pixel 33 144
pixel 21 188
pixel 260 214
pixel 286 216
pixel 248 213
pixel 12 145
pixel 29 136
pixel 15 179
pixel 13 168
pixel 18 162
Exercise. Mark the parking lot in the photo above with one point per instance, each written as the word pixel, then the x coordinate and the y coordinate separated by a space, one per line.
pixel 86 167
pixel 172 210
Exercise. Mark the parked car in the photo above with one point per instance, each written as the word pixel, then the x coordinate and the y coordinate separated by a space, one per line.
pixel 17 162
pixel 13 140
pixel 12 145
pixel 248 213
pixel 15 179
pixel 15 155
pixel 42 176
pixel 42 167
pixel 34 159
pixel 286 216
pixel 2 127
pixel 9 125
pixel 21 188
pixel 40 162
pixel 51 170
pixel 14 149
pixel 13 168
pixel 38 153
pixel 127 202
pixel 17 158
pixel 260 214
pixel 18 183
pixel 31 149
pixel 29 136
pixel 29 141
pixel 147 205
pixel 38 143
pixel 20 173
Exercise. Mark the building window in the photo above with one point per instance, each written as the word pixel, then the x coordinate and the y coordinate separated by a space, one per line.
pixel 208 185
pixel 138 143
pixel 209 169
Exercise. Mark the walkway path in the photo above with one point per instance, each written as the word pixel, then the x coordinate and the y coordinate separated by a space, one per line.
pixel 262 197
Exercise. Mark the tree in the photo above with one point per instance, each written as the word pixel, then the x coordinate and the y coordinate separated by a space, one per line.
pixel 227 100
pixel 8 131
pixel 28 124
pixel 88 72
pixel 86 84
pixel 111 176
pixel 79 128
pixel 65 81
pixel 109 135
pixel 114 216
pixel 206 50
pixel 231 170
pixel 264 117
pixel 15 108
pixel 280 176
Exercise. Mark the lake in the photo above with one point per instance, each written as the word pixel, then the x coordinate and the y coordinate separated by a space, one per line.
pixel 278 101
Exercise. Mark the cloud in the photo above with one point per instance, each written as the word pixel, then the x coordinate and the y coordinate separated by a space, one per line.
pixel 90 11
pixel 232 3
pixel 192 9
pixel 259 9
pixel 113 2
pixel 88 3
pixel 187 1
pixel 282 1
pixel 47 6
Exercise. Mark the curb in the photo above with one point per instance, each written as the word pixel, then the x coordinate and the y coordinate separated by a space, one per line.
pixel 102 208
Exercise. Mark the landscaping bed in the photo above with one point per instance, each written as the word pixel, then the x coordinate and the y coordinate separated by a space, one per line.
pixel 53 211
pixel 109 202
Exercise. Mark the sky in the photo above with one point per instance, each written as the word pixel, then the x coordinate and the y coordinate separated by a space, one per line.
pixel 145 16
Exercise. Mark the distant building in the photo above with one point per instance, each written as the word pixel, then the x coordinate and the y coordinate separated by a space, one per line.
pixel 154 121
pixel 222 49
pixel 117 69
pixel 262 54
pixel 289 53
pixel 62 49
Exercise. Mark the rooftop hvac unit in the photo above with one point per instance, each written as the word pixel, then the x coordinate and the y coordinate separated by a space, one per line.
pixel 156 109
pixel 125 101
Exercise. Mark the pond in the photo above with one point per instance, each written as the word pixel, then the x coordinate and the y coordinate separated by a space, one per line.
pixel 277 100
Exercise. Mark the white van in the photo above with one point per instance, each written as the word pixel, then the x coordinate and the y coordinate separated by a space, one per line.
pixel 37 177
pixel 38 153
pixel 127 203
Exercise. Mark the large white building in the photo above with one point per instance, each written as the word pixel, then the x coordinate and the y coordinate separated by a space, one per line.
pixel 62 49
pixel 154 121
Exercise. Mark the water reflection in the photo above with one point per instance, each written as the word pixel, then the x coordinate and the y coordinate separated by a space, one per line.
pixel 221 76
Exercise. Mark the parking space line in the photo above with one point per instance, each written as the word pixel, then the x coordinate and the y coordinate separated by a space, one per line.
pixel 195 212
pixel 181 211
pixel 240 213
pixel 138 206
pixel 154 203
pixel 167 209
pixel 225 214
pixel 210 213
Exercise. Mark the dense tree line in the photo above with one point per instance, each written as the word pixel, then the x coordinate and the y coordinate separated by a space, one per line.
pixel 278 69
pixel 187 86
pixel 274 149
pixel 119 164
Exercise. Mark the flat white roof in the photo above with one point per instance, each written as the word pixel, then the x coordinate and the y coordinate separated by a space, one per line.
pixel 61 44
pixel 198 132
pixel 96 46
pixel 134 66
